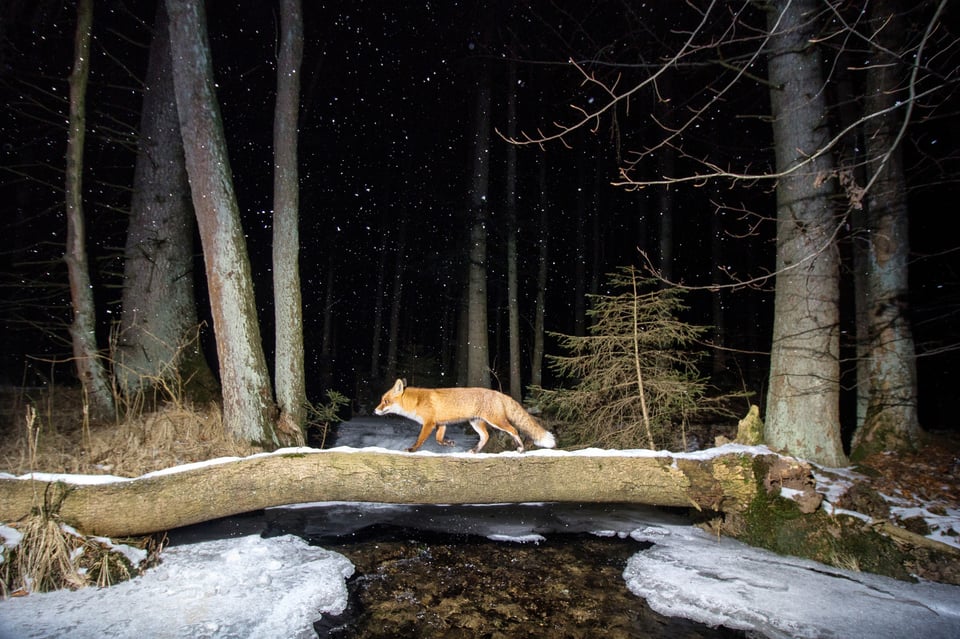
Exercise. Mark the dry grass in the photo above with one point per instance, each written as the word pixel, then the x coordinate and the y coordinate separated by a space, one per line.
pixel 46 431
pixel 52 556
pixel 48 434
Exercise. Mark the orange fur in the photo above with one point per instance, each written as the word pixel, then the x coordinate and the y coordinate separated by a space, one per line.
pixel 435 408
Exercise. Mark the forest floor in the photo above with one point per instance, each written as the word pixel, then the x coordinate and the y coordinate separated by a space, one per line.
pixel 918 491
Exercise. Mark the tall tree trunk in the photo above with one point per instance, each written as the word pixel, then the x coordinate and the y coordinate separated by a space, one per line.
pixel 248 407
pixel 890 422
pixel 721 357
pixel 90 369
pixel 326 333
pixel 478 358
pixel 159 342
pixel 536 364
pixel 803 413
pixel 850 163
pixel 665 199
pixel 396 301
pixel 666 168
pixel 513 303
pixel 378 313
pixel 580 256
pixel 289 377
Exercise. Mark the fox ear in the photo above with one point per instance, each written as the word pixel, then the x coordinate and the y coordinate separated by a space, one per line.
pixel 398 387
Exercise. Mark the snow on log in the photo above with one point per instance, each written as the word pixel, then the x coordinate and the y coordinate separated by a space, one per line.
pixel 726 479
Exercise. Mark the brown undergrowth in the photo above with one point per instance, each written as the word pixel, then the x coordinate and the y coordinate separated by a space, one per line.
pixel 49 434
pixel 47 431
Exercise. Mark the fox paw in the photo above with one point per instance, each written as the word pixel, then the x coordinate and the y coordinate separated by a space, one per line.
pixel 447 442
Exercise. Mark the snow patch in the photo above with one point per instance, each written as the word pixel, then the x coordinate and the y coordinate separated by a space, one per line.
pixel 691 574
pixel 518 539
pixel 242 587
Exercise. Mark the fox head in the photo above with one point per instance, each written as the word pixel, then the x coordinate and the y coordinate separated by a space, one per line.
pixel 386 405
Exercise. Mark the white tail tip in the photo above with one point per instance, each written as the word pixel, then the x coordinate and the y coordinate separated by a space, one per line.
pixel 547 441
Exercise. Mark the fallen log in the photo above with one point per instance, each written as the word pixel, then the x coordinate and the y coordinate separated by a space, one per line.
pixel 725 480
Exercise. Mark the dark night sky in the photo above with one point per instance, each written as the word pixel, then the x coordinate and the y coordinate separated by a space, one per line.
pixel 385 136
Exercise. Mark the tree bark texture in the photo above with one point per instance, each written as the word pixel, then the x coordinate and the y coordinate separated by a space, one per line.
pixel 513 301
pixel 477 347
pixel 803 413
pixel 536 363
pixel 396 300
pixel 248 407
pixel 160 502
pixel 90 370
pixel 289 375
pixel 890 421
pixel 158 342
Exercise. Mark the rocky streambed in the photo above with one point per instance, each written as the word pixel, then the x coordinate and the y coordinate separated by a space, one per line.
pixel 415 584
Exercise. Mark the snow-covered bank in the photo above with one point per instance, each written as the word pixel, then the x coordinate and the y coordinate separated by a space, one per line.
pixel 253 587
pixel 691 574
pixel 230 588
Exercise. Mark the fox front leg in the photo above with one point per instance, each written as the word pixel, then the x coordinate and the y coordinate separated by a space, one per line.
pixel 425 431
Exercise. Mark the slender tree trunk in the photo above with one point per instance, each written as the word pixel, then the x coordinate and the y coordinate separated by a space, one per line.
pixel 513 303
pixel 90 369
pixel 580 258
pixel 159 343
pixel 720 354
pixel 326 334
pixel 803 401
pixel 463 336
pixel 890 422
pixel 850 159
pixel 378 314
pixel 596 234
pixel 478 357
pixel 289 377
pixel 536 364
pixel 666 209
pixel 248 407
pixel 396 301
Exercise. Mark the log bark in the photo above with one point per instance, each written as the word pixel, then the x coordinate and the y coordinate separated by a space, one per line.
pixel 158 502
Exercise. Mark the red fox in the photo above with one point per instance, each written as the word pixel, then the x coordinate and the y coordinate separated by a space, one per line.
pixel 438 407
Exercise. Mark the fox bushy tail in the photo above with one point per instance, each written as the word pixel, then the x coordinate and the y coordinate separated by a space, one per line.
pixel 526 424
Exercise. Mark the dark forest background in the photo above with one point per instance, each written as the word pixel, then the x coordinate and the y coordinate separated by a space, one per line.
pixel 386 128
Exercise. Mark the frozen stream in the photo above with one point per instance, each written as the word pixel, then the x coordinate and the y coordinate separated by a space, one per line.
pixel 523 570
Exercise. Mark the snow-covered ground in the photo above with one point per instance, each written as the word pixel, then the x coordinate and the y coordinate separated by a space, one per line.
pixel 240 587
pixel 250 586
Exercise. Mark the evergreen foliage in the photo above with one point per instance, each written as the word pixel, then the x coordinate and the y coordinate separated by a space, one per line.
pixel 636 382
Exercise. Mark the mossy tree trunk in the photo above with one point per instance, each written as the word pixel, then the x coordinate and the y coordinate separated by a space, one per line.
pixel 890 385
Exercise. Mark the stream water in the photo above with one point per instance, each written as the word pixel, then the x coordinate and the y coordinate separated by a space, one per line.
pixel 462 571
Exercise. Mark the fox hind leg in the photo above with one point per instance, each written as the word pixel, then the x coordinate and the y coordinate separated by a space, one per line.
pixel 510 430
pixel 441 431
pixel 481 428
